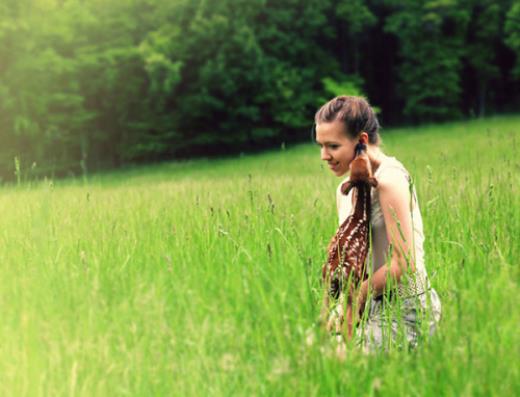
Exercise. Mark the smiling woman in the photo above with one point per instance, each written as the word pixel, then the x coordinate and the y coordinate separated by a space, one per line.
pixel 336 148
pixel 400 299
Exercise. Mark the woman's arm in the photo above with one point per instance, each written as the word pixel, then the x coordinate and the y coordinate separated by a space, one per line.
pixel 394 198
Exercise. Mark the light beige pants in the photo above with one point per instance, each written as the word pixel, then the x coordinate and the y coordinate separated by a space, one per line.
pixel 397 323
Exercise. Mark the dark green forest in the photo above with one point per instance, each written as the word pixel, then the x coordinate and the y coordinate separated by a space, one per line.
pixel 95 84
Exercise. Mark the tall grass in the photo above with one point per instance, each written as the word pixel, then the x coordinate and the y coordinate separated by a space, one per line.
pixel 202 278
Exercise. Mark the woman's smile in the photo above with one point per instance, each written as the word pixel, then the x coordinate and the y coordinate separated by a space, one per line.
pixel 334 165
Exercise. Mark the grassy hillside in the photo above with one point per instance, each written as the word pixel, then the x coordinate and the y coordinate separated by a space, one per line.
pixel 202 278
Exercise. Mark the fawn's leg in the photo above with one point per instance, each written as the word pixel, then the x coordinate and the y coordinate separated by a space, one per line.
pixel 349 320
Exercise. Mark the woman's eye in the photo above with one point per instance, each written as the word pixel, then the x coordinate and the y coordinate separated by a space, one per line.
pixel 334 147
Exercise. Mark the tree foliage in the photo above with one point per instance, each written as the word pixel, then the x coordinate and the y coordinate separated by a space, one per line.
pixel 512 28
pixel 101 83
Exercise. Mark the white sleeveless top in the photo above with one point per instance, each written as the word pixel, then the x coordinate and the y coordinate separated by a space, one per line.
pixel 409 284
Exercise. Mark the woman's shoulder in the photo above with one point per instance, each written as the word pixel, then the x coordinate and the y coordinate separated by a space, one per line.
pixel 391 170
pixel 393 180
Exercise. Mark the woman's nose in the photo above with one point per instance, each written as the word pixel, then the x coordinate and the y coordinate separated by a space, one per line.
pixel 325 155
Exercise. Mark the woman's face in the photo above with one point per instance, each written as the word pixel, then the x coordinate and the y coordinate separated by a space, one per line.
pixel 336 148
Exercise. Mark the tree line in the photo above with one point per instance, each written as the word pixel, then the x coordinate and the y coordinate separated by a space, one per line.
pixel 91 84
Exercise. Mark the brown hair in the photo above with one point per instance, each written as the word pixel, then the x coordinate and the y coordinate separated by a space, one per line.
pixel 355 112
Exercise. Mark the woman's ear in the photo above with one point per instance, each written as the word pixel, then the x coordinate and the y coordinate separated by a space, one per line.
pixel 363 138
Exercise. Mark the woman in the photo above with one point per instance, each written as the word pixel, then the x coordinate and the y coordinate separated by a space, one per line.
pixel 399 303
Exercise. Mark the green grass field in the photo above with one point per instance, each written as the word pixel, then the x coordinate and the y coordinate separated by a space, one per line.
pixel 201 278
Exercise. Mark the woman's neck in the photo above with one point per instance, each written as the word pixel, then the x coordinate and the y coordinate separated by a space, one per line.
pixel 376 156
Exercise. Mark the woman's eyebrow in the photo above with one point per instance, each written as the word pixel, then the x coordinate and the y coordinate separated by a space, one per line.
pixel 327 142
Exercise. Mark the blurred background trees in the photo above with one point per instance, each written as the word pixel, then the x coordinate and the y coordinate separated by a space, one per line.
pixel 92 84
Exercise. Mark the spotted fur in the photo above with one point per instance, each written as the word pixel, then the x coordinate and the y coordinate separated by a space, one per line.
pixel 347 252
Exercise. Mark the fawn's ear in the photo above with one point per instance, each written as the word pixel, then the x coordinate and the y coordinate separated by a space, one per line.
pixel 347 187
pixel 372 181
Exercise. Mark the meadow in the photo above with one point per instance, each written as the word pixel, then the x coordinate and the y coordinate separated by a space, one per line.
pixel 202 278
